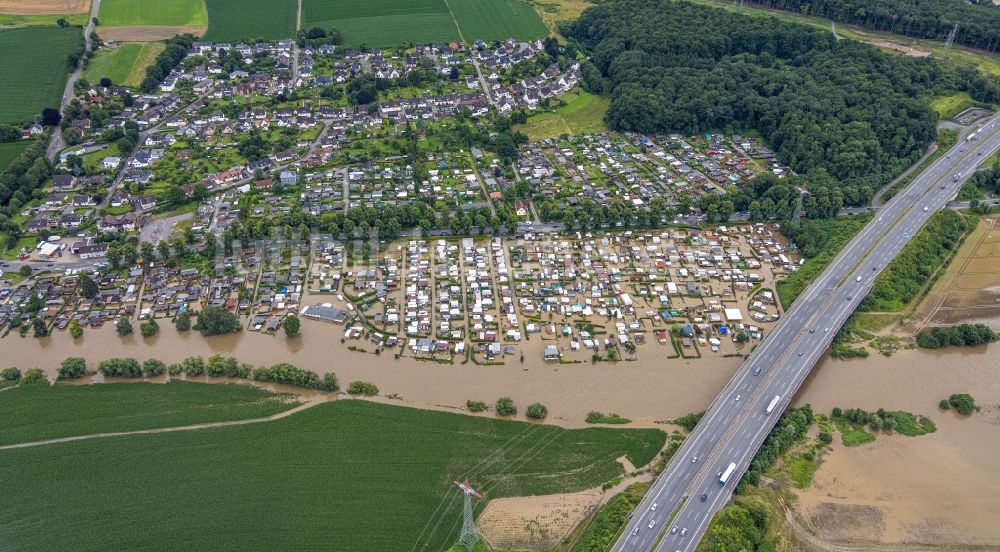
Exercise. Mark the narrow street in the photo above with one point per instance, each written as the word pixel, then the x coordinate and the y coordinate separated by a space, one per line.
pixel 57 143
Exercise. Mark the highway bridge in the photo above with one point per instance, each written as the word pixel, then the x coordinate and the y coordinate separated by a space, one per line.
pixel 676 511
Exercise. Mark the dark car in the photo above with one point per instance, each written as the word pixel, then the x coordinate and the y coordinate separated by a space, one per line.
pixel 704 497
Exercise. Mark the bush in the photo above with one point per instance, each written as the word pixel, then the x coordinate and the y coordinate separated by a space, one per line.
pixel 969 335
pixel 193 366
pixel 293 375
pixel 825 437
pixel 292 324
pixel 120 367
pixel 175 369
pixel 75 329
pixel 536 411
pixel 362 388
pixel 217 321
pixel 505 406
pixel 123 326
pixel 688 421
pixel 219 366
pixel 943 405
pixel 475 406
pixel 594 417
pixel 153 367
pixel 33 375
pixel 71 367
pixel 963 403
pixel 10 374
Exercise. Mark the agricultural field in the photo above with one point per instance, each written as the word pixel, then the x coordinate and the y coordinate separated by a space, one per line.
pixel 497 20
pixel 233 20
pixel 44 7
pixel 124 65
pixel 582 114
pixel 166 13
pixel 41 20
pixel 34 69
pixel 380 23
pixel 39 411
pixel 10 150
pixel 345 475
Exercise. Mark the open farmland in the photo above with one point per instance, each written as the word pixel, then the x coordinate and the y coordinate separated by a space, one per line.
pixel 36 7
pixel 497 20
pixel 34 69
pixel 168 13
pixel 37 412
pixel 233 20
pixel 10 150
pixel 124 65
pixel 347 475
pixel 382 22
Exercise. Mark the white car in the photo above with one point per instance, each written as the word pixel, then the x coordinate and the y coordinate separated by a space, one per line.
pixel 738 397
pixel 684 531
pixel 695 459
pixel 925 208
pixel 652 522
pixel 673 530
pixel 653 507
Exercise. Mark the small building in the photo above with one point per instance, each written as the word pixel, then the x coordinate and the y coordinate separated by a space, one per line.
pixel 551 353
pixel 288 178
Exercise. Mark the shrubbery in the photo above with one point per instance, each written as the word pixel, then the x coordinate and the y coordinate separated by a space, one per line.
pixel 33 375
pixel 72 367
pixel 792 427
pixel 536 411
pixel 362 388
pixel 594 417
pixel 10 374
pixel 963 403
pixel 688 421
pixel 475 406
pixel 505 406
pixel 153 367
pixel 287 373
pixel 969 335
pixel 120 367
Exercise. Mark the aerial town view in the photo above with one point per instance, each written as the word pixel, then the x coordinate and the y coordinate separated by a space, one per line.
pixel 500 275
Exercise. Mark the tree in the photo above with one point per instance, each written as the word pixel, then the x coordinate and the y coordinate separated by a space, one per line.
pixel 362 388
pixel 71 367
pixel 105 82
pixel 963 403
pixel 505 406
pixel 88 287
pixel 149 328
pixel 291 325
pixel 182 322
pixel 120 367
pixel 10 374
pixel 123 326
pixel 217 321
pixel 39 327
pixel 944 404
pixel 193 366
pixel 153 367
pixel 33 375
pixel 25 270
pixel 51 117
pixel 536 411
pixel 75 329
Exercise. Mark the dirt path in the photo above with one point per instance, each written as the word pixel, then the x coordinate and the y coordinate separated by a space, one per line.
pixel 309 404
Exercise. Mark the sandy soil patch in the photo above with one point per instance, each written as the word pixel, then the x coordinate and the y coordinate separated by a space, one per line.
pixel 38 7
pixel 938 489
pixel 534 522
pixel 908 50
pixel 141 33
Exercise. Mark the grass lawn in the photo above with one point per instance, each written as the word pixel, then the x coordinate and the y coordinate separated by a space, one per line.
pixel 167 13
pixel 497 20
pixel 582 114
pixel 949 106
pixel 232 20
pixel 42 20
pixel 347 475
pixel 36 412
pixel 10 150
pixel 27 242
pixel 34 69
pixel 124 65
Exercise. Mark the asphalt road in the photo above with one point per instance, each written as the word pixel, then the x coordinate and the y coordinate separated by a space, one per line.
pixel 736 423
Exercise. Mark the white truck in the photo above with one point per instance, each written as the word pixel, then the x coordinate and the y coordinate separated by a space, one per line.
pixel 774 403
pixel 726 474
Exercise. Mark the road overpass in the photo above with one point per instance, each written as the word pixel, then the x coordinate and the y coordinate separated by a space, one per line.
pixel 688 493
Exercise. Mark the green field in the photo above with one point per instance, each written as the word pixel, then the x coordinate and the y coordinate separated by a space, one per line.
pixel 36 412
pixel 582 114
pixel 346 475
pixel 16 20
pixel 232 20
pixel 10 150
pixel 125 65
pixel 166 13
pixel 33 69
pixel 497 20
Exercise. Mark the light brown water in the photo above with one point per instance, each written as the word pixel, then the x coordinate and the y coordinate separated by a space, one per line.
pixel 938 488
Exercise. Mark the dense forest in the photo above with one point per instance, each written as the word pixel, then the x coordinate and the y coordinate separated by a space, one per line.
pixel 842 106
pixel 978 23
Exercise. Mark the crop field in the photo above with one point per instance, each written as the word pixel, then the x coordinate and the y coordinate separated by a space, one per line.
pixel 232 20
pixel 166 13
pixel 497 20
pixel 124 65
pixel 37 412
pixel 382 22
pixel 33 69
pixel 10 150
pixel 347 475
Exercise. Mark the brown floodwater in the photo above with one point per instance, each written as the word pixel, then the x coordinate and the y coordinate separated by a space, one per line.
pixel 941 488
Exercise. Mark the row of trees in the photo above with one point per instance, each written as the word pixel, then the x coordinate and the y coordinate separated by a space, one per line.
pixel 175 51
pixel 293 375
pixel 969 335
pixel 792 427
pixel 821 103
pixel 978 22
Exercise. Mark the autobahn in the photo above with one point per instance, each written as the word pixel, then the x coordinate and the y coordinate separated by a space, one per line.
pixel 688 493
